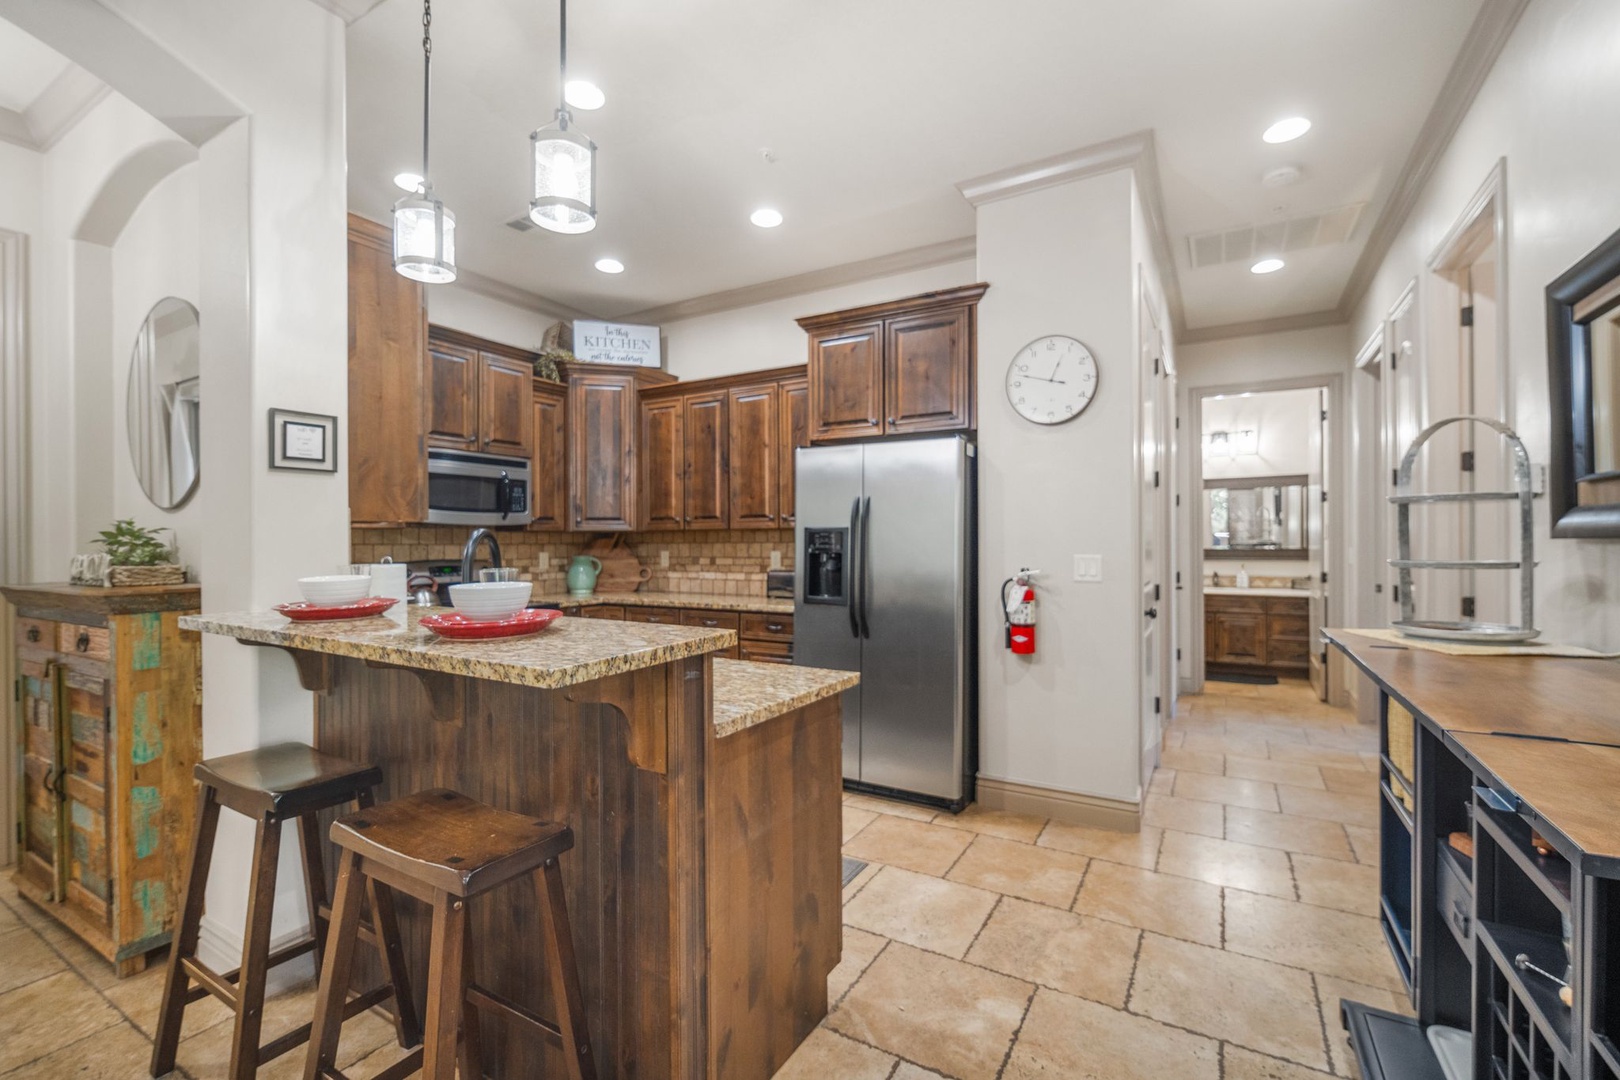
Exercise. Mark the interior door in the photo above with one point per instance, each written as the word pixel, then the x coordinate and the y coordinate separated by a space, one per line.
pixel 1403 421
pixel 1316 511
pixel 1152 525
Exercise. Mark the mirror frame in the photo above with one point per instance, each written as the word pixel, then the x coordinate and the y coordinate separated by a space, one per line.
pixel 1595 278
pixel 1240 482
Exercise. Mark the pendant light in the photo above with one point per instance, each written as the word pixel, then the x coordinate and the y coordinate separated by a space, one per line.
pixel 563 163
pixel 424 231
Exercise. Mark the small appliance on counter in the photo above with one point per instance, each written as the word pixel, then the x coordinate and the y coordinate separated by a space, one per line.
pixel 434 577
pixel 779 584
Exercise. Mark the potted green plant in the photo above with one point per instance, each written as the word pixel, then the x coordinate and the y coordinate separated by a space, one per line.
pixel 139 556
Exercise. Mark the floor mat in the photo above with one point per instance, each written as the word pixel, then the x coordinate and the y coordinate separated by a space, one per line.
pixel 851 868
pixel 1240 677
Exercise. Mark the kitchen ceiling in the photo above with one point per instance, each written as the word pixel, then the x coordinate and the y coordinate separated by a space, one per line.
pixel 873 110
pixel 27 67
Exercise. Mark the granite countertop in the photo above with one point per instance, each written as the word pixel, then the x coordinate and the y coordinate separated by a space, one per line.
pixel 760 605
pixel 570 651
pixel 747 693
pixel 1231 590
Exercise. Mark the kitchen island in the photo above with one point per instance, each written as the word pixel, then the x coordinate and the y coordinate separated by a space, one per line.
pixel 704 795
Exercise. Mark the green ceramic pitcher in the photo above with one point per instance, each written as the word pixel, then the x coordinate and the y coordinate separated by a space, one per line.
pixel 582 571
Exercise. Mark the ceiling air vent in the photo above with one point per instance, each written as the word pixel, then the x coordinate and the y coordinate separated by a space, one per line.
pixel 1274 237
pixel 520 224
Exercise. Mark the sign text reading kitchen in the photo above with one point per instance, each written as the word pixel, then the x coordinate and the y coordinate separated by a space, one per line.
pixel 616 343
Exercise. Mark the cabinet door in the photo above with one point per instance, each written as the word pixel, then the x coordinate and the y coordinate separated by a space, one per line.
pixel 752 433
pixel 705 467
pixel 928 372
pixel 505 405
pixel 39 687
pixel 1240 637
pixel 548 477
pixel 794 415
pixel 452 396
pixel 846 383
pixel 88 871
pixel 387 339
pixel 602 418
pixel 663 458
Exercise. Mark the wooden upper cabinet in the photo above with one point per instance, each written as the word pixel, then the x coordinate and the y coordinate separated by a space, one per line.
pixel 387 459
pixel 548 477
pixel 928 372
pixel 602 420
pixel 505 405
pixel 663 461
pixel 753 431
pixel 846 382
pixel 898 368
pixel 707 492
pixel 793 420
pixel 452 402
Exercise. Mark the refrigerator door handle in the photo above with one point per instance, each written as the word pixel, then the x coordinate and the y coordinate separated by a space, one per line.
pixel 865 572
pixel 853 570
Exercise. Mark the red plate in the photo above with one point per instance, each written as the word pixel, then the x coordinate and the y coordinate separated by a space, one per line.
pixel 303 611
pixel 453 624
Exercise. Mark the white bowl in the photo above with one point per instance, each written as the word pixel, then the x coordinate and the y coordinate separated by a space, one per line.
pixel 486 601
pixel 335 588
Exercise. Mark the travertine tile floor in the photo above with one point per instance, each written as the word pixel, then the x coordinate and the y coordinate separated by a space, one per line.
pixel 1213 945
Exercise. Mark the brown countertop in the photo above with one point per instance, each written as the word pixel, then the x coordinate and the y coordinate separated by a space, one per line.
pixel 568 652
pixel 747 693
pixel 59 598
pixel 759 605
pixel 1571 787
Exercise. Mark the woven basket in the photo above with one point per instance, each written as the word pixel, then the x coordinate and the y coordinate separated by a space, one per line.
pixel 162 574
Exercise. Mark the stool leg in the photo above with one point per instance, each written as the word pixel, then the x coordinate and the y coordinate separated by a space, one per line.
pixel 309 846
pixel 333 992
pixel 256 951
pixel 472 1037
pixel 445 994
pixel 565 989
pixel 184 945
pixel 407 1024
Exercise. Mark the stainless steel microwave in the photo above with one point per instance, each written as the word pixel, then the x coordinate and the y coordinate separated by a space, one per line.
pixel 477 489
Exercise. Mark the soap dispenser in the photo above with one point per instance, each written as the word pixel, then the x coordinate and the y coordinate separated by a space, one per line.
pixel 1242 576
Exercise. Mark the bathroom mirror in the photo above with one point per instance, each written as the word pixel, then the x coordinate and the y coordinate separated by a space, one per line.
pixel 1259 517
pixel 1583 353
pixel 163 401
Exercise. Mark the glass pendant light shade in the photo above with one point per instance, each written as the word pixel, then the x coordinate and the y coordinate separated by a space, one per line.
pixel 564 178
pixel 424 238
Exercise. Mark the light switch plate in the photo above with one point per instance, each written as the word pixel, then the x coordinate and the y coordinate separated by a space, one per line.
pixel 1088 568
pixel 776 558
pixel 542 561
pixel 663 559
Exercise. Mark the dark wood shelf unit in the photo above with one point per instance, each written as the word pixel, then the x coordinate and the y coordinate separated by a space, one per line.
pixel 1549 873
pixel 1530 1029
pixel 1601 978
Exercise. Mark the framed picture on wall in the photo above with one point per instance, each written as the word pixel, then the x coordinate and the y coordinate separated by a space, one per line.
pixel 305 442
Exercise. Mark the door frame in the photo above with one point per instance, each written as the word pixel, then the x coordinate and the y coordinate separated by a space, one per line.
pixel 1333 475
pixel 14 520
pixel 1155 514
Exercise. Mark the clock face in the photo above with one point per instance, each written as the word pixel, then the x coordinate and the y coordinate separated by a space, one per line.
pixel 1052 379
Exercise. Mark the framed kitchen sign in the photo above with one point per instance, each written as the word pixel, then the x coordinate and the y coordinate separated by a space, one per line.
pixel 305 442
pixel 616 343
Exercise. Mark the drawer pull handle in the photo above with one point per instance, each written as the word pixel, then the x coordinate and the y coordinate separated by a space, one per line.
pixel 33 633
pixel 83 642
pixel 1459 913
pixel 774 627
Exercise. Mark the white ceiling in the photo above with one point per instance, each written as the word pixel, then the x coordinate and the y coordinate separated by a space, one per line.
pixel 27 67
pixel 875 109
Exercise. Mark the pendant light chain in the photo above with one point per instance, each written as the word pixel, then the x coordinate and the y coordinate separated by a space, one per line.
pixel 424 231
pixel 562 64
pixel 427 78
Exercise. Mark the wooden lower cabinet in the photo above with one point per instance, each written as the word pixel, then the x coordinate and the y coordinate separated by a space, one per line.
pixel 1270 633
pixel 763 638
pixel 110 694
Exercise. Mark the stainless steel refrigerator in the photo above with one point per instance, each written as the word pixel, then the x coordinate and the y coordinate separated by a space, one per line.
pixel 886 571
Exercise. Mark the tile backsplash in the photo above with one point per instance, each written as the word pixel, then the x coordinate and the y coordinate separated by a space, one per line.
pixel 720 563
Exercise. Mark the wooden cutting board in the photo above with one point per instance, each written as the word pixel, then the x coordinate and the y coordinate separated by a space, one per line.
pixel 621 570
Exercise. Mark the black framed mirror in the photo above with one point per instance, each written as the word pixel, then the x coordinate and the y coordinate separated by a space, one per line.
pixel 1583 353
pixel 1255 517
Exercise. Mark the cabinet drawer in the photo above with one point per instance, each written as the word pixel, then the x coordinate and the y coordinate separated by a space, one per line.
pixel 766 651
pixel 1288 651
pixel 767 626
pixel 1288 606
pixel 1289 626
pixel 603 611
pixel 1454 895
pixel 1234 603
pixel 710 620
pixel 652 615
pixel 76 640
pixel 36 633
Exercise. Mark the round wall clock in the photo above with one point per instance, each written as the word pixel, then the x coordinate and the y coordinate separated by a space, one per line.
pixel 1052 379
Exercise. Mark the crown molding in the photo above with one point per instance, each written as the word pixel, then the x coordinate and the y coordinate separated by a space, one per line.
pixel 350 11
pixel 62 104
pixel 919 258
pixel 1125 152
pixel 1281 324
pixel 1486 38
pixel 473 281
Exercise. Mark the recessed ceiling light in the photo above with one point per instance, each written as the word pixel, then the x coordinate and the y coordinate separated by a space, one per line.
pixel 584 95
pixel 408 181
pixel 610 266
pixel 1287 130
pixel 766 218
pixel 1267 266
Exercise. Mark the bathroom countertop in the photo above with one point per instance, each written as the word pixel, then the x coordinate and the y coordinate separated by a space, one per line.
pixel 1229 590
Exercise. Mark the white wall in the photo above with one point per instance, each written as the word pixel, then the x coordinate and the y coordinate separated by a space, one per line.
pixel 1554 88
pixel 1284 421
pixel 461 308
pixel 765 335
pixel 1060 261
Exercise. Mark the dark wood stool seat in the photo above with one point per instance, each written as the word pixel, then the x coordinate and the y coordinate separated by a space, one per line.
pixel 273 785
pixel 445 849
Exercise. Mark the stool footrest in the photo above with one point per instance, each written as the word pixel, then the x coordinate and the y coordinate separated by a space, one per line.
pixel 223 985
pixel 298 1036
pixel 409 1065
pixel 484 998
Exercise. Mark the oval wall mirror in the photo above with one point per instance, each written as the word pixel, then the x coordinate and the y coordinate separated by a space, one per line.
pixel 163 402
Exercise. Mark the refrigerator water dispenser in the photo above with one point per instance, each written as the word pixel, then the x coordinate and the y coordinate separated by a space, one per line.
pixel 824 565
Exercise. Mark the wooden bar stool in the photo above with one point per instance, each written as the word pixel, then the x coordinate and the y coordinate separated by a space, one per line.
pixel 444 849
pixel 271 785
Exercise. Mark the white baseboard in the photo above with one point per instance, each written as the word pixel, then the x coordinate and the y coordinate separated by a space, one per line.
pixel 220 947
pixel 1069 807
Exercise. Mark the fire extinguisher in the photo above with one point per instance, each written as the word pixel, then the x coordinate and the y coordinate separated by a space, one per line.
pixel 1020 610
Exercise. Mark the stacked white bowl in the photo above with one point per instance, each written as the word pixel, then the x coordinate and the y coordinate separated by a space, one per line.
pixel 487 601
pixel 335 588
